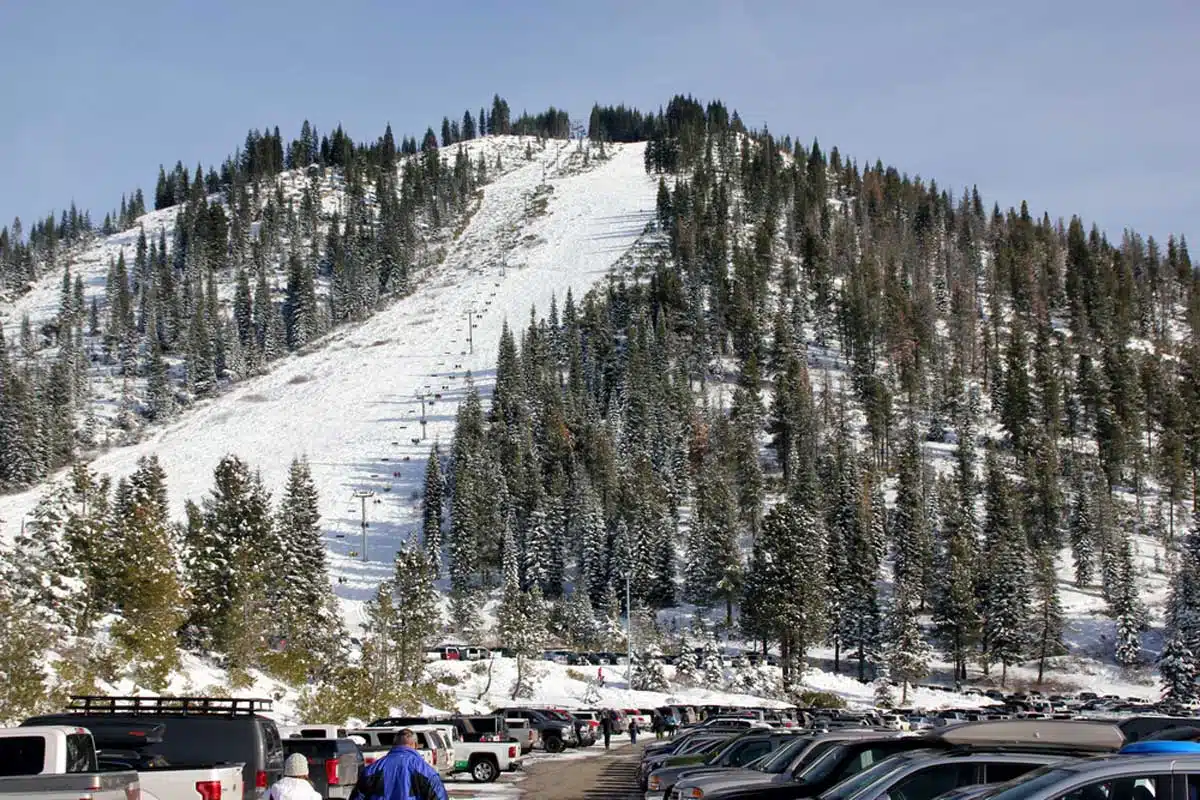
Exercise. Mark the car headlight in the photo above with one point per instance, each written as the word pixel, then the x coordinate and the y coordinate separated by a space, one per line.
pixel 655 783
pixel 693 791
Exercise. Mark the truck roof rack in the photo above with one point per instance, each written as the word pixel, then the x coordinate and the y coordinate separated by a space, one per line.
pixel 1055 733
pixel 169 706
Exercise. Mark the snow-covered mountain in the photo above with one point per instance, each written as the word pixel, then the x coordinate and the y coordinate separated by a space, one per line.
pixel 351 405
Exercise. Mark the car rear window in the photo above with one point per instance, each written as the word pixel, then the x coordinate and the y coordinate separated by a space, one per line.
pixel 310 748
pixel 22 755
pixel 81 753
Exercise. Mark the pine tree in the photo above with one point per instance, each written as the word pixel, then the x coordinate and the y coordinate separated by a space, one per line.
pixel 785 595
pixel 417 618
pixel 1126 609
pixel 1177 666
pixel 712 669
pixel 687 667
pixel 307 613
pixel 1006 586
pixel 1083 534
pixel 148 587
pixel 1046 611
pixel 431 511
pixel 907 653
pixel 523 621
pixel 909 523
pixel 230 543
pixel 647 673
pixel 578 625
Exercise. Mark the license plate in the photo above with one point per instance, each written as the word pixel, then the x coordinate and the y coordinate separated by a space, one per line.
pixel 460 764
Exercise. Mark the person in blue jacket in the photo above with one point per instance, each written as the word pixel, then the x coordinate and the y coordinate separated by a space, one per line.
pixel 400 775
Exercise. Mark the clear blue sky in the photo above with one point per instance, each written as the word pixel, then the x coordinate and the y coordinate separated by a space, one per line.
pixel 1078 106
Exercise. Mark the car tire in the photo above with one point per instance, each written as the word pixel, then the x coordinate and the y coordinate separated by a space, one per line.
pixel 555 744
pixel 484 770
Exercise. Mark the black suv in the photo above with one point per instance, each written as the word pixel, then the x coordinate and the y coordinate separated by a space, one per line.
pixel 556 734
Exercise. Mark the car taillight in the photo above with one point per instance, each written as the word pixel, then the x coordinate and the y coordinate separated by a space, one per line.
pixel 211 790
pixel 512 751
pixel 368 760
pixel 435 757
pixel 260 779
pixel 331 771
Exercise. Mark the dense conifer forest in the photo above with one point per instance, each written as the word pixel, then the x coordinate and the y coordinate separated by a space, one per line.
pixel 833 404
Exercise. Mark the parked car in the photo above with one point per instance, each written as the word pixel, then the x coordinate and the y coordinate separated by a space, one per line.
pixel 161 735
pixel 56 762
pixel 430 744
pixel 556 734
pixel 738 751
pixel 312 731
pixel 333 763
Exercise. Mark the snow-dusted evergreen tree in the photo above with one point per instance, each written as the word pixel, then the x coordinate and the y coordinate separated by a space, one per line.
pixel 687 666
pixel 1126 608
pixel 712 553
pixel 955 603
pixel 1006 584
pixel 148 587
pixel 523 622
pixel 307 609
pixel 785 594
pixel 592 539
pixel 711 668
pixel 905 649
pixel 612 631
pixel 578 620
pixel 418 619
pixel 536 547
pixel 1046 610
pixel 648 674
pixel 231 546
pixel 909 528
pixel 1082 533
pixel 432 507
pixel 1177 668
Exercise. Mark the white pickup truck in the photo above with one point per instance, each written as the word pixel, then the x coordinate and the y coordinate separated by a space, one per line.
pixel 484 761
pixel 58 762
pixel 69 755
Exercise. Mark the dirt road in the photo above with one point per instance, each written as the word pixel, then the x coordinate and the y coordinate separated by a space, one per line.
pixel 605 776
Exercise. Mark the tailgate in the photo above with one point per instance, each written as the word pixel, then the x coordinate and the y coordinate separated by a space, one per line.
pixel 163 784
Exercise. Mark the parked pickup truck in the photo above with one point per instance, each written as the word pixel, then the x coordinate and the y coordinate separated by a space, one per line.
pixel 486 760
pixel 431 744
pixel 182 746
pixel 58 762
pixel 333 764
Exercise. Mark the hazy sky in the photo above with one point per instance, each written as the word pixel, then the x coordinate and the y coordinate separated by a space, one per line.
pixel 1078 106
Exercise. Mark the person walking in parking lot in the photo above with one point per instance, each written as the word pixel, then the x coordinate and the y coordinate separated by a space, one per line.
pixel 633 730
pixel 606 726
pixel 402 774
pixel 294 784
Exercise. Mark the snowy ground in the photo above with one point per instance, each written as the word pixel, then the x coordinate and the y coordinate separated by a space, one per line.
pixel 351 406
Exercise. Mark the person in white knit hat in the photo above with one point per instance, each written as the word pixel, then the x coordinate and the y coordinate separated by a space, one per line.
pixel 294 784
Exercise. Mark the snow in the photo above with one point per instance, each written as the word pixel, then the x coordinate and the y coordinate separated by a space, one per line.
pixel 351 406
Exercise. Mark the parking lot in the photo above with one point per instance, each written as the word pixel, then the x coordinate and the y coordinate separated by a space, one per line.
pixel 580 775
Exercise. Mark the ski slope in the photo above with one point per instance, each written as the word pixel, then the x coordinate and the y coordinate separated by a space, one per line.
pixel 351 406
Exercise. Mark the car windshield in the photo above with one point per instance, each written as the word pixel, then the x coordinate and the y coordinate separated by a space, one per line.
pixel 1031 783
pixel 775 763
pixel 823 765
pixel 856 783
